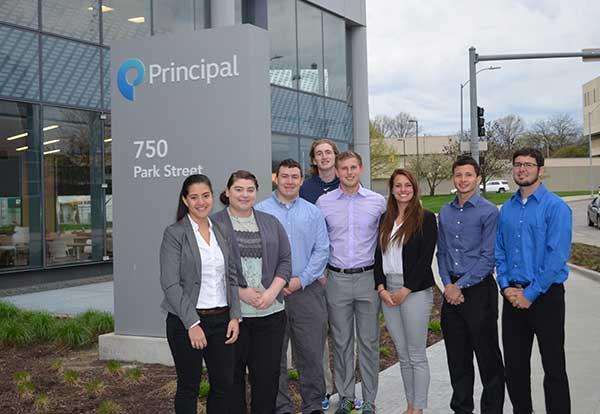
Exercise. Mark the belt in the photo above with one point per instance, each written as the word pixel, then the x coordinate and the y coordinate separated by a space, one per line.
pixel 520 285
pixel 212 311
pixel 351 271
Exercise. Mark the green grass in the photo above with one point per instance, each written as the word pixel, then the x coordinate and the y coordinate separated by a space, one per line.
pixel 109 407
pixel 134 375
pixel 585 255
pixel 384 351
pixel 42 403
pixel 114 367
pixel 94 386
pixel 25 390
pixel 435 325
pixel 435 203
pixel 71 376
pixel 22 328
pixel 22 376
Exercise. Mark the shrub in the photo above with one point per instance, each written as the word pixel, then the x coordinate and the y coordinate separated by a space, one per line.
pixel 293 374
pixel 8 310
pixel 25 390
pixel 204 389
pixel 13 332
pixel 134 374
pixel 94 386
pixel 73 334
pixel 384 351
pixel 109 407
pixel 113 367
pixel 42 326
pixel 96 322
pixel 435 326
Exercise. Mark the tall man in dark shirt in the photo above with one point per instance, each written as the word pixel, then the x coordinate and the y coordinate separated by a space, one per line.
pixel 466 237
pixel 532 249
pixel 322 170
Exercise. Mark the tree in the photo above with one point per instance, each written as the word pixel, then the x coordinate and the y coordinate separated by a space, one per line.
pixel 506 132
pixel 384 159
pixel 432 168
pixel 572 151
pixel 397 126
pixel 552 134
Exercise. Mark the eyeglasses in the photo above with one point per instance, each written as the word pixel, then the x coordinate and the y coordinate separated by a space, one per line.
pixel 527 165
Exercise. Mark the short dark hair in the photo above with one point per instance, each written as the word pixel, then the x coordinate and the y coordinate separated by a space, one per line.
pixel 529 152
pixel 237 175
pixel 346 155
pixel 466 160
pixel 289 163
pixel 182 209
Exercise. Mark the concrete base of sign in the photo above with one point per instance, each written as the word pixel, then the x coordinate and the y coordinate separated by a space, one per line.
pixel 146 349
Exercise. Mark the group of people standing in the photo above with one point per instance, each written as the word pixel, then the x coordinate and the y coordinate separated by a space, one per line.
pixel 326 254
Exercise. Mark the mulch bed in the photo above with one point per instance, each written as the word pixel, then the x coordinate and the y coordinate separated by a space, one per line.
pixel 151 393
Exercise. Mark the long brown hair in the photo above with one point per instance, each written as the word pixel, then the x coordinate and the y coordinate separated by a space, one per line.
pixel 413 215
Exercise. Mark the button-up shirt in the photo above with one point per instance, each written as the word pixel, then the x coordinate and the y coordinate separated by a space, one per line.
pixel 533 241
pixel 466 238
pixel 307 234
pixel 212 289
pixel 353 225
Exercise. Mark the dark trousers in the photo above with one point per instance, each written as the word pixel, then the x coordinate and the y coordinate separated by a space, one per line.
pixel 259 349
pixel 545 319
pixel 472 327
pixel 219 357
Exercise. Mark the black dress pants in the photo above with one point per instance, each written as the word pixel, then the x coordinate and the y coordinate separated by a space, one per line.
pixel 472 327
pixel 545 319
pixel 258 348
pixel 219 357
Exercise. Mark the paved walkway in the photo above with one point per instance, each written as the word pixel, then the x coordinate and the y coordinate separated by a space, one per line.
pixel 582 346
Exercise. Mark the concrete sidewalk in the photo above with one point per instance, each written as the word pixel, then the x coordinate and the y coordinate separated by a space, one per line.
pixel 582 347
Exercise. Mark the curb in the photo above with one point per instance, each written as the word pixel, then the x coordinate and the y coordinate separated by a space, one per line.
pixel 590 274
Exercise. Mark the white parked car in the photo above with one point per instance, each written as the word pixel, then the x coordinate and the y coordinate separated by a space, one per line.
pixel 492 186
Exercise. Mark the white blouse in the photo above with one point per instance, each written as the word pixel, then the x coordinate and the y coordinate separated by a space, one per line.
pixel 392 258
pixel 212 289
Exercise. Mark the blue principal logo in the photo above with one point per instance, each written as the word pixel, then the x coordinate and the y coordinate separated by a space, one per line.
pixel 126 88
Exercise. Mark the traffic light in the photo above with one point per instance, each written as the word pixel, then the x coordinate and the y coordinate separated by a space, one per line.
pixel 480 122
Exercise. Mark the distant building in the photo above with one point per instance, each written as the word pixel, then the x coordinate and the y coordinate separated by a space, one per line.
pixel 428 144
pixel 591 101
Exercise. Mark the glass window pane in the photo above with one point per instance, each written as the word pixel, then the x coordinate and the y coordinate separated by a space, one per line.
pixel 73 18
pixel 282 20
pixel 337 120
pixel 67 183
pixel 19 63
pixel 173 16
pixel 310 48
pixel 311 115
pixel 282 147
pixel 20 239
pixel 21 12
pixel 108 200
pixel 126 19
pixel 71 72
pixel 106 78
pixel 334 39
pixel 284 110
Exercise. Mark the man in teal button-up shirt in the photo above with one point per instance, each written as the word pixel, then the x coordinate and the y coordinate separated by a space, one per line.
pixel 305 295
pixel 532 248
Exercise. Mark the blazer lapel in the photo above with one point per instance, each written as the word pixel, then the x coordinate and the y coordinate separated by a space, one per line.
pixel 189 233
pixel 223 245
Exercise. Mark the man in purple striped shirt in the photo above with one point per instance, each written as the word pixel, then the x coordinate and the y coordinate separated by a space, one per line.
pixel 352 214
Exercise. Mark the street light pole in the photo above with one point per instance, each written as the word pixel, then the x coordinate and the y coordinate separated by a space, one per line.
pixel 416 122
pixel 462 85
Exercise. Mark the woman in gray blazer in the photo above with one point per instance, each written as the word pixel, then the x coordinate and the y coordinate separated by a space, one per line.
pixel 201 298
pixel 261 254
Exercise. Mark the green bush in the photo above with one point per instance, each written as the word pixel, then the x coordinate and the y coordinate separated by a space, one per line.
pixel 114 367
pixel 293 374
pixel 73 334
pixel 13 332
pixel 25 390
pixel 134 374
pixel 42 403
pixel 384 351
pixel 41 325
pixel 94 386
pixel 435 326
pixel 204 389
pixel 8 310
pixel 71 376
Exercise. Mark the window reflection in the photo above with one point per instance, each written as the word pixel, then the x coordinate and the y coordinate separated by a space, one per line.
pixel 281 21
pixel 19 188
pixel 310 48
pixel 334 40
pixel 68 203
pixel 21 12
pixel 126 19
pixel 73 18
pixel 19 63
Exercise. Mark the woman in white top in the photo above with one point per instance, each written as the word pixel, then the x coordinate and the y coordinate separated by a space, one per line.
pixel 403 278
pixel 201 298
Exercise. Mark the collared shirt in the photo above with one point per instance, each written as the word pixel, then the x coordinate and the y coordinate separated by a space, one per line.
pixel 392 258
pixel 353 225
pixel 314 187
pixel 533 241
pixel 307 233
pixel 466 238
pixel 212 288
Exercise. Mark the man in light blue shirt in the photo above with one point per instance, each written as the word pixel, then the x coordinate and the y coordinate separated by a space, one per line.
pixel 533 244
pixel 305 295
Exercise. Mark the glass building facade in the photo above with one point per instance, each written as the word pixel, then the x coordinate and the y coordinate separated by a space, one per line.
pixel 55 129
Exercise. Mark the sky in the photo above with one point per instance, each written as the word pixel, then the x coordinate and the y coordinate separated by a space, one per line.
pixel 418 57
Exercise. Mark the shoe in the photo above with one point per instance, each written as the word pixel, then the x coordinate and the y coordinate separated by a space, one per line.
pixel 369 408
pixel 345 407
pixel 358 403
pixel 325 402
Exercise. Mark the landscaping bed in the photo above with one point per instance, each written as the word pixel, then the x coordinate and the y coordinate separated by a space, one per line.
pixel 585 255
pixel 51 374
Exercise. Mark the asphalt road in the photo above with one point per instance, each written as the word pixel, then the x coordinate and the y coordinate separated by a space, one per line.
pixel 582 233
